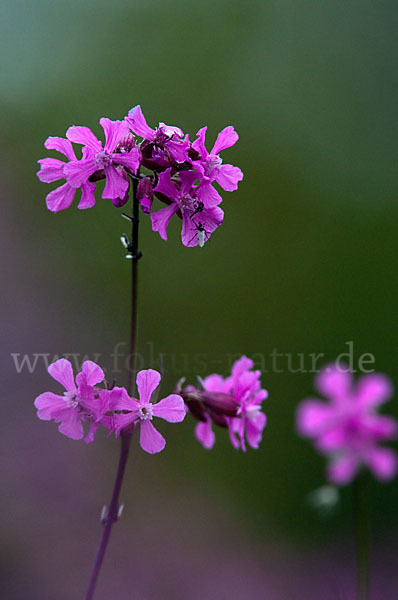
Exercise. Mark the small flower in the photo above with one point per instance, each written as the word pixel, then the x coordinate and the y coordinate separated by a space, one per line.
pixel 198 221
pixel 161 145
pixel 82 400
pixel 210 164
pixel 142 411
pixel 117 152
pixel 52 169
pixel 347 428
pixel 233 402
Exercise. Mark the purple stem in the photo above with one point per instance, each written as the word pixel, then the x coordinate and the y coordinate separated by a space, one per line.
pixel 112 512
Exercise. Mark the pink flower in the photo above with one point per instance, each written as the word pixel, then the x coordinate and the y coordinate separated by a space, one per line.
pixel 233 402
pixel 143 410
pixel 118 154
pixel 347 428
pixel 198 221
pixel 82 400
pixel 52 169
pixel 210 164
pixel 161 145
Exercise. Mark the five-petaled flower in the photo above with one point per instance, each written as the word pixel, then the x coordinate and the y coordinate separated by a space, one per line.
pixel 133 412
pixel 233 402
pixel 118 153
pixel 347 428
pixel 196 217
pixel 82 400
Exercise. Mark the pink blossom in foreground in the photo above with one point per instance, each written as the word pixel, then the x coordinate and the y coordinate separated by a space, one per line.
pixel 119 153
pixel 197 219
pixel 82 400
pixel 233 402
pixel 210 164
pixel 347 427
pixel 141 412
pixel 52 169
pixel 161 147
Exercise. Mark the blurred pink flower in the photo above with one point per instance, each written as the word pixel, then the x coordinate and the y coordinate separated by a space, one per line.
pixel 347 428
pixel 142 411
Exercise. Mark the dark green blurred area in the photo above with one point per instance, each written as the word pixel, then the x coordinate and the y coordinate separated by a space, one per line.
pixel 306 258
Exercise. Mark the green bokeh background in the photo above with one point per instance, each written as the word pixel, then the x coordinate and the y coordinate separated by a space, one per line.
pixel 305 260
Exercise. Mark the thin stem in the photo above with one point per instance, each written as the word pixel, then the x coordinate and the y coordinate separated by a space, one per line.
pixel 111 517
pixel 112 513
pixel 136 255
pixel 362 534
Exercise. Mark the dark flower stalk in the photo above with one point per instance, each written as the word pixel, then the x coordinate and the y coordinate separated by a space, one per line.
pixel 112 513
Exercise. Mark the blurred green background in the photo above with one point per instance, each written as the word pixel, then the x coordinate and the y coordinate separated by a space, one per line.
pixel 304 262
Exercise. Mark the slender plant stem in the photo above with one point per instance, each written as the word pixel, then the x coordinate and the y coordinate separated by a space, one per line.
pixel 362 534
pixel 136 255
pixel 112 513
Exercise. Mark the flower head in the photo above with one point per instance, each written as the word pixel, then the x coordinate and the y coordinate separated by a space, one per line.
pixel 198 220
pixel 52 169
pixel 81 401
pixel 347 428
pixel 130 411
pixel 112 161
pixel 211 166
pixel 233 402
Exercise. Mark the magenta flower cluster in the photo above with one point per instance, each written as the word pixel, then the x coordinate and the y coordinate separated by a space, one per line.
pixel 84 401
pixel 162 161
pixel 233 402
pixel 347 428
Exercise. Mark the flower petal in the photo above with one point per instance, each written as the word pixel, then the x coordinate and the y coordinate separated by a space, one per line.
pixel 343 469
pixel 254 429
pixel 166 186
pixel 61 370
pixel 138 124
pixel 92 373
pixel 161 218
pixel 177 150
pixel 77 172
pixel 147 382
pixel 313 418
pixel 51 169
pixel 150 439
pixel 334 382
pixel 83 135
pixel 114 131
pixel 208 195
pixel 116 185
pixel 383 463
pixel 60 198
pixel 88 196
pixel 374 389
pixel 131 159
pixel 72 426
pixel 48 404
pixel 205 434
pixel 225 139
pixel 199 143
pixel 171 408
pixel 228 177
pixel 61 145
